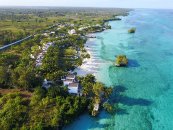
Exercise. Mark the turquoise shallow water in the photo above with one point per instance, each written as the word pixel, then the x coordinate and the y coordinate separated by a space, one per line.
pixel 144 90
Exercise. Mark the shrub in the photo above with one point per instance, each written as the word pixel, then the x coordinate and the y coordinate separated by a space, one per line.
pixel 132 30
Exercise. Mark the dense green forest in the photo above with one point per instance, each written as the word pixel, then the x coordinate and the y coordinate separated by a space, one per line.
pixel 48 109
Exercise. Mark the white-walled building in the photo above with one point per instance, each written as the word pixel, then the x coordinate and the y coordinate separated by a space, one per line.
pixel 71 32
pixel 41 54
pixel 71 76
pixel 45 34
pixel 71 83
pixel 52 32
pixel 67 82
pixel 73 88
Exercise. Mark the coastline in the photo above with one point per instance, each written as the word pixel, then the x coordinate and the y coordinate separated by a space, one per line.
pixel 93 94
pixel 85 69
pixel 89 65
pixel 145 99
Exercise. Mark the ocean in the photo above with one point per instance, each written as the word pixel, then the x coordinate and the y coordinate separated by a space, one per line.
pixel 143 91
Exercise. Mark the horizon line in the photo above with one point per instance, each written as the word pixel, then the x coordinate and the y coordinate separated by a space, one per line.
pixel 84 7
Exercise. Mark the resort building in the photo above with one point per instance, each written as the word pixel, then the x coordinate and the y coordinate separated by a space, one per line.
pixel 71 82
pixel 45 34
pixel 71 76
pixel 41 54
pixel 71 32
pixel 67 82
pixel 52 32
pixel 73 88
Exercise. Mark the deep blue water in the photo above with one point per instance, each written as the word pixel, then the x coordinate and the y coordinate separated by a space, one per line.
pixel 143 90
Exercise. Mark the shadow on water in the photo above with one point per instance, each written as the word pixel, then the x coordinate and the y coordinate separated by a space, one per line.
pixel 121 111
pixel 133 63
pixel 132 101
pixel 107 121
pixel 125 100
pixel 103 121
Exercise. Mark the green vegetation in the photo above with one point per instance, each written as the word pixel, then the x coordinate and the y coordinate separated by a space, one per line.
pixel 50 108
pixel 109 108
pixel 17 70
pixel 33 107
pixel 40 111
pixel 18 23
pixel 95 91
pixel 121 60
pixel 132 30
pixel 13 112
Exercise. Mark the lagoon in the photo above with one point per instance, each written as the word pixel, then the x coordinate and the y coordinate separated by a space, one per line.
pixel 144 89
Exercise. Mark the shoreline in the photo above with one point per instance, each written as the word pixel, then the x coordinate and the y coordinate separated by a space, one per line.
pixel 85 69
pixel 81 70
pixel 70 52
pixel 132 86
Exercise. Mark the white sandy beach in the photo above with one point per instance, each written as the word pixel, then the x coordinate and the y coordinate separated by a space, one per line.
pixel 89 66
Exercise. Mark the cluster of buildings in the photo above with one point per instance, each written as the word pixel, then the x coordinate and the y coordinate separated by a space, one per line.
pixel 86 27
pixel 46 34
pixel 41 54
pixel 64 25
pixel 70 81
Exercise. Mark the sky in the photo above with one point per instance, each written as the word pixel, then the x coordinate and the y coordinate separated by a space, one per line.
pixel 166 4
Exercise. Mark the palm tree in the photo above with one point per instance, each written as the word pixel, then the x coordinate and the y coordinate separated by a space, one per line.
pixel 98 89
